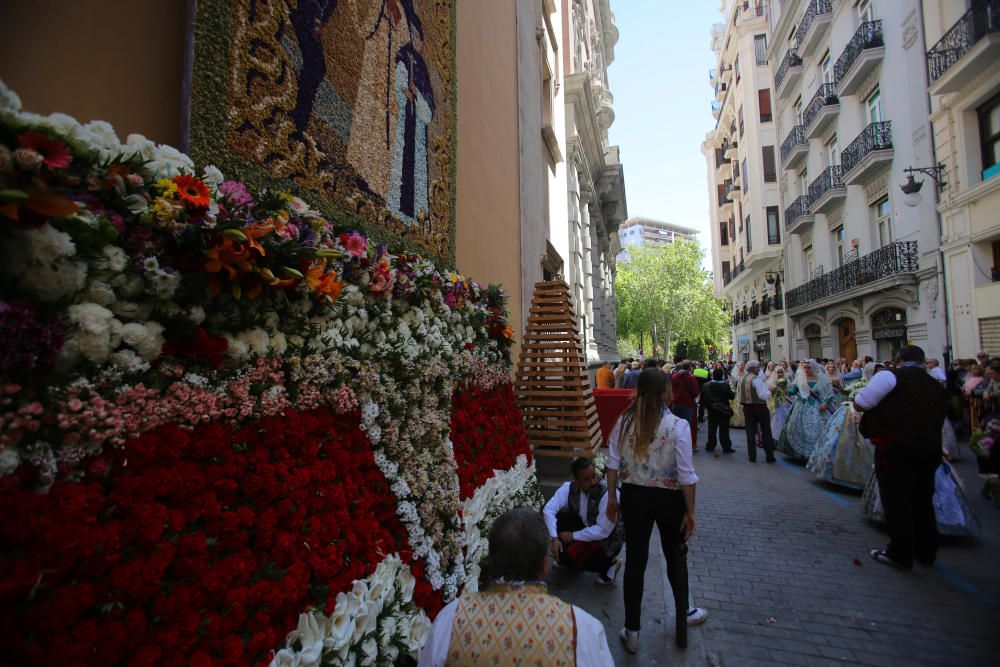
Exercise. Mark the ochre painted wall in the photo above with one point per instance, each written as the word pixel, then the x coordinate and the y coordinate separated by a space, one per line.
pixel 111 60
pixel 488 238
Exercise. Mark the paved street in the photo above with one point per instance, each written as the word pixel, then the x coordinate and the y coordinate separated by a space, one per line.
pixel 780 561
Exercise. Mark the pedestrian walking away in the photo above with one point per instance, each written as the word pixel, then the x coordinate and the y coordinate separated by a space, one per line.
pixel 904 410
pixel 716 396
pixel 650 450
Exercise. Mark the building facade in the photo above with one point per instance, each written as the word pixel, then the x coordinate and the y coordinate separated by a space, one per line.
pixel 862 261
pixel 744 198
pixel 962 41
pixel 645 231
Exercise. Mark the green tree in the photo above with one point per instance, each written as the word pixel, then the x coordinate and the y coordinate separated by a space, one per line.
pixel 664 291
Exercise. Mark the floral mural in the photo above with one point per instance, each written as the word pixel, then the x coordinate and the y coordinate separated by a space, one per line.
pixel 232 430
pixel 350 103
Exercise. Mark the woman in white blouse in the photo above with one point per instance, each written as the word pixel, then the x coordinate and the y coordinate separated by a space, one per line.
pixel 651 454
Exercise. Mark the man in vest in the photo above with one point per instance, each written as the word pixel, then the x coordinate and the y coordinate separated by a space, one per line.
pixel 516 621
pixel 904 410
pixel 582 535
pixel 752 393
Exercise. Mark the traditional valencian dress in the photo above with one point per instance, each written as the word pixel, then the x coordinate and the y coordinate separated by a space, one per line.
pixel 806 421
pixel 951 508
pixel 737 420
pixel 780 405
pixel 843 456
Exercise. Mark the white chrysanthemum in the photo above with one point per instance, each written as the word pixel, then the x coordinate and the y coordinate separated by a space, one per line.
pixel 146 339
pixel 256 340
pixel 129 361
pixel 114 258
pixel 238 349
pixel 212 176
pixel 139 146
pixel 99 292
pixel 65 125
pixel 168 162
pixel 95 333
pixel 9 101
pixel 101 137
pixel 196 314
pixel 9 458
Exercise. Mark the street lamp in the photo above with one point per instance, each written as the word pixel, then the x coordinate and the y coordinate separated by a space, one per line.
pixel 911 189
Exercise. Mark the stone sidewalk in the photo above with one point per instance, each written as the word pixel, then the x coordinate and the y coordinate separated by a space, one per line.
pixel 781 562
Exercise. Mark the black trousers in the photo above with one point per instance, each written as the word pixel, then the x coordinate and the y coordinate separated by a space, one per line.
pixel 597 561
pixel 905 472
pixel 717 423
pixel 758 416
pixel 641 507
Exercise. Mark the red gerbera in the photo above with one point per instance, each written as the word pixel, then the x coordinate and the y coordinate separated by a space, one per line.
pixel 55 153
pixel 192 191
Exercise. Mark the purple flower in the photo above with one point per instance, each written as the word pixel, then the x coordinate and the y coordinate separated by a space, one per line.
pixel 236 193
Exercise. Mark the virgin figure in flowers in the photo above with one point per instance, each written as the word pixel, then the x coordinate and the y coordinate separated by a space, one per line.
pixel 408 185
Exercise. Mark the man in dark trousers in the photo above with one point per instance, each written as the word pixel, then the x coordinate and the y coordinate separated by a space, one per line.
pixel 904 409
pixel 715 396
pixel 752 393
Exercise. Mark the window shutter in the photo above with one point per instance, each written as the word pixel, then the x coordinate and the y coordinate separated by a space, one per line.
pixel 764 102
pixel 770 170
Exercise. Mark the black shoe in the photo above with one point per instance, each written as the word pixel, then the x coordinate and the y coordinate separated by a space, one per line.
pixel 772 460
pixel 729 451
pixel 752 460
pixel 709 448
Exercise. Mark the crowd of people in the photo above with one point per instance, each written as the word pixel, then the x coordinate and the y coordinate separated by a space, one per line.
pixel 846 419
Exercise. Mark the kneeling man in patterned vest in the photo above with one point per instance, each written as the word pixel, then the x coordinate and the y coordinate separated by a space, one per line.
pixel 582 535
pixel 516 621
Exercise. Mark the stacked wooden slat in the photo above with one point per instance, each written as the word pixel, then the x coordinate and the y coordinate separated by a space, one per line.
pixel 552 385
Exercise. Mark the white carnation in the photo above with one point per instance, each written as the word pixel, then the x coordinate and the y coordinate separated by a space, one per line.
pixel 9 101
pixel 212 176
pixel 168 162
pixel 114 258
pixel 129 361
pixel 256 340
pixel 101 137
pixel 196 314
pixel 146 339
pixel 139 146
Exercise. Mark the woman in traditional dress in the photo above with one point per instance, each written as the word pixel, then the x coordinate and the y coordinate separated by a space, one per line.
pixel 835 377
pixel 779 403
pixel 951 507
pixel 737 420
pixel 769 371
pixel 814 402
pixel 843 457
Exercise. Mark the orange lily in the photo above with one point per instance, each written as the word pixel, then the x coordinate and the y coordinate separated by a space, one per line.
pixel 323 284
pixel 256 231
pixel 228 256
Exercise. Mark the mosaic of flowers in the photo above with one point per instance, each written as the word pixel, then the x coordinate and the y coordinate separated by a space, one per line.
pixel 350 103
pixel 232 431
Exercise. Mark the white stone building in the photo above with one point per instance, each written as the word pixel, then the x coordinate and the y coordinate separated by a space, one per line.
pixel 962 41
pixel 744 200
pixel 863 269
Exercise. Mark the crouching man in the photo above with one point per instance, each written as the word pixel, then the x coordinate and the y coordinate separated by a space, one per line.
pixel 582 535
pixel 515 621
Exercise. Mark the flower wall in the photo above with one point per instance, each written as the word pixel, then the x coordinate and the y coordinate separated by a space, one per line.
pixel 230 432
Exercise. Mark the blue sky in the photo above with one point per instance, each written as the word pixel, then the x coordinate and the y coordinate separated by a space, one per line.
pixel 659 79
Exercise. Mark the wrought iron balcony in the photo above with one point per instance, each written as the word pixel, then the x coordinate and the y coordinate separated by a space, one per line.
pixel 976 32
pixel 895 258
pixel 731 276
pixel 860 56
pixel 778 301
pixel 866 151
pixel 821 110
pixel 789 63
pixel 827 187
pixel 816 17
pixel 796 210
pixel 794 147
pixel 754 310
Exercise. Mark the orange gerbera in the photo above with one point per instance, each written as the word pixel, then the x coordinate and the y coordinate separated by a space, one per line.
pixel 192 191
pixel 321 283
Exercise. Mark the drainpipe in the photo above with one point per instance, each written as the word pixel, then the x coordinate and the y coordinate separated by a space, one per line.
pixel 937 200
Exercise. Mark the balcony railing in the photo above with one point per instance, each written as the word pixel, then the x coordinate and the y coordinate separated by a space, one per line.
pixel 826 181
pixel 875 137
pixel 796 137
pixel 778 301
pixel 731 276
pixel 815 8
pixel 754 310
pixel 982 19
pixel 796 210
pixel 825 96
pixel 867 36
pixel 791 59
pixel 897 257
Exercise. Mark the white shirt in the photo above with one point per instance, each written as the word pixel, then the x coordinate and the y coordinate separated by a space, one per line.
pixel 763 393
pixel 876 390
pixel 938 374
pixel 682 446
pixel 591 642
pixel 560 500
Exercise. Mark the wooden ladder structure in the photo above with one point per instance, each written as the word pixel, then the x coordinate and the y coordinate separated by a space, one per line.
pixel 552 385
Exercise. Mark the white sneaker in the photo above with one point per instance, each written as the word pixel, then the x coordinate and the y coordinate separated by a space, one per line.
pixel 697 615
pixel 630 639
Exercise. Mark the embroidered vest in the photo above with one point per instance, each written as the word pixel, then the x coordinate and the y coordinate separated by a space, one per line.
pixel 507 625
pixel 747 393
pixel 916 407
pixel 659 469
pixel 612 543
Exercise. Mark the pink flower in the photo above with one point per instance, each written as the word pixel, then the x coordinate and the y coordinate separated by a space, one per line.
pixel 55 153
pixel 354 243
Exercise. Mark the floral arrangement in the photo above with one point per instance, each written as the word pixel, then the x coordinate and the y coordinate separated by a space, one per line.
pixel 853 388
pixel 221 416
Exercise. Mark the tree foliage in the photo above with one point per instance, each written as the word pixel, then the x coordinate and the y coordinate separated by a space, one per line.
pixel 666 288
